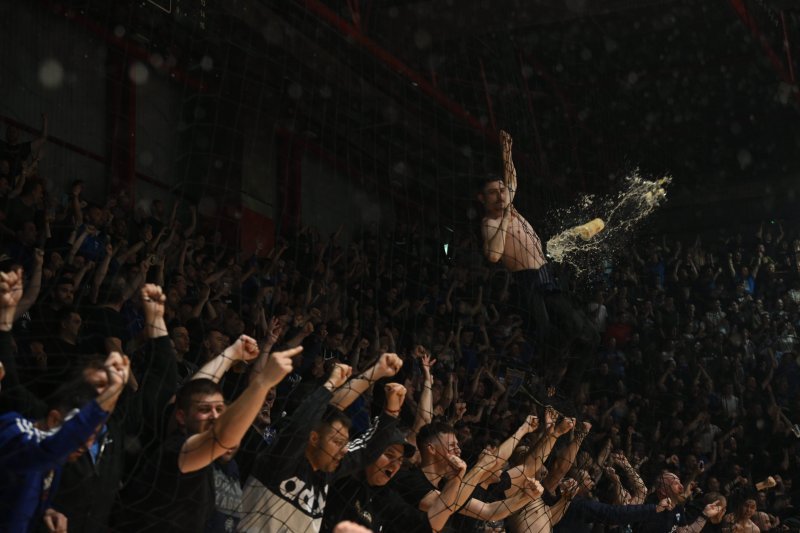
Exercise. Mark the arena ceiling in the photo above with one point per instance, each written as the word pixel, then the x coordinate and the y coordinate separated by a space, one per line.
pixel 413 92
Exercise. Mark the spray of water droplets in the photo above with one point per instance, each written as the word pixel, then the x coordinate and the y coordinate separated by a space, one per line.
pixel 621 213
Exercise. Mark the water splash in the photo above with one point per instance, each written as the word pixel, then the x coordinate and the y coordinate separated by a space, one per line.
pixel 621 214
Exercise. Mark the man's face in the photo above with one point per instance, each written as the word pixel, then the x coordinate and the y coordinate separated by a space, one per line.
pixel 673 486
pixel 95 216
pixel 203 411
pixel 64 294
pixel 180 338
pixel 72 324
pixel 442 446
pixel 328 448
pixel 749 508
pixel 215 342
pixel 494 196
pixel 386 466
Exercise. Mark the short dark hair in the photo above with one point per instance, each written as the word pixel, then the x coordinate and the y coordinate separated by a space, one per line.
pixel 429 432
pixel 74 394
pixel 203 386
pixel 331 416
pixel 481 182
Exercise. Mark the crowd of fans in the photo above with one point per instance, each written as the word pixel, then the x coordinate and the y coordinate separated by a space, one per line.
pixel 155 378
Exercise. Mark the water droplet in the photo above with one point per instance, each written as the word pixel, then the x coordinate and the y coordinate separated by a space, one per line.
pixel 138 73
pixel 51 74
pixel 745 158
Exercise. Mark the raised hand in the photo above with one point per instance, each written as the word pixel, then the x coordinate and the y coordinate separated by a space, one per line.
pixel 712 510
pixel 582 430
pixel 564 426
pixel 387 366
pixel 569 488
pixel 532 488
pixel 395 396
pixel 153 301
pixel 550 417
pixel 457 464
pixel 279 364
pixel 427 363
pixel 665 505
pixel 244 349
pixel 531 423
pixel 505 140
pixel 10 288
pixel 339 375
pixel 118 369
pixel 274 330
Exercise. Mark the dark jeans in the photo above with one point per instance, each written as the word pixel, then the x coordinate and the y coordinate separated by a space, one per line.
pixel 565 336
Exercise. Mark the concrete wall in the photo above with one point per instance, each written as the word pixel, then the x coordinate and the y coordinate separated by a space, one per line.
pixel 49 65
pixel 330 199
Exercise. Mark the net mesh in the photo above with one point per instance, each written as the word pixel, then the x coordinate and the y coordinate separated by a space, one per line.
pixel 342 265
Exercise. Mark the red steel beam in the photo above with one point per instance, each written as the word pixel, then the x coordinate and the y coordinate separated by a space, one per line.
pixel 398 66
pixel 83 152
pixel 774 59
pixel 132 49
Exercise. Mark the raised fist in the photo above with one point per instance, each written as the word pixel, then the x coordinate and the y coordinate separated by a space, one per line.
pixel 395 396
pixel 457 464
pixel 339 375
pixel 530 424
pixel 244 349
pixel 387 366
pixel 153 301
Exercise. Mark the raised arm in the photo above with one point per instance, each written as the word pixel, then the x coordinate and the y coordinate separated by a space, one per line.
pixel 202 449
pixel 387 366
pixel 35 286
pixel 425 407
pixel 509 171
pixel 507 447
pixel 566 456
pixel 539 453
pixel 244 349
pixel 20 397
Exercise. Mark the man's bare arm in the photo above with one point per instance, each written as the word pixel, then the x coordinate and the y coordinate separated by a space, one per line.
pixel 509 171
pixel 494 236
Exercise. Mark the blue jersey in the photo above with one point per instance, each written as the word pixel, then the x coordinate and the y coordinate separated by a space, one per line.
pixel 30 463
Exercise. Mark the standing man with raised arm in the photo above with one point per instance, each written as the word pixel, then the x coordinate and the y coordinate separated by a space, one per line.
pixel 32 453
pixel 510 239
pixel 288 488
pixel 175 490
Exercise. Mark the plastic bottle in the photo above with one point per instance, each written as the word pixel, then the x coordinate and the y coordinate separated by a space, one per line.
pixel 590 229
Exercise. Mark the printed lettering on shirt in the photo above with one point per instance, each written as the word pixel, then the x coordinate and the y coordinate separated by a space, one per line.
pixel 305 498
